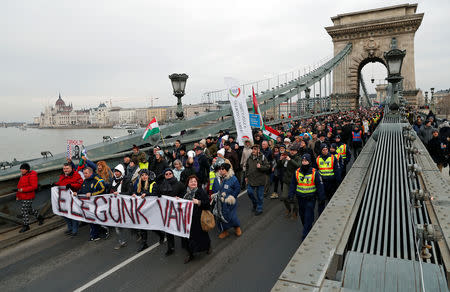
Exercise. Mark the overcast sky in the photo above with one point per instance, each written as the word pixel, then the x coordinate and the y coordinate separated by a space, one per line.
pixel 92 50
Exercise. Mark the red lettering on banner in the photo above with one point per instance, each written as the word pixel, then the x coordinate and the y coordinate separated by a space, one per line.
pixel 119 219
pixel 173 215
pixel 61 200
pixel 71 209
pixel 163 215
pixel 138 210
pixel 83 207
pixel 181 215
pixel 129 212
pixel 96 206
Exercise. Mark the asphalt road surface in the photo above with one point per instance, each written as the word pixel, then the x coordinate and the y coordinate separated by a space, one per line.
pixel 252 262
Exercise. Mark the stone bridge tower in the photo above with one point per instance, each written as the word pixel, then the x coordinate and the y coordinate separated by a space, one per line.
pixel 371 33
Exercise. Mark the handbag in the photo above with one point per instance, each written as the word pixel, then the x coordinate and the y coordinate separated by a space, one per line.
pixel 207 220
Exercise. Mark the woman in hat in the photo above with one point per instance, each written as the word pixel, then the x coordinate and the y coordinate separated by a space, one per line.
pixel 226 190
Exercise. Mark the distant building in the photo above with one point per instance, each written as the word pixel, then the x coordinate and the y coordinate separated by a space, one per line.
pixel 191 110
pixel 62 115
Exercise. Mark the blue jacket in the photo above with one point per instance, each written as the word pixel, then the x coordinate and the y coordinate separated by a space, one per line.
pixel 320 191
pixel 231 187
pixel 94 185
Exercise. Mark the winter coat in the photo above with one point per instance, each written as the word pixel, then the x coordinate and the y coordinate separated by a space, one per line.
pixel 203 171
pixel 290 167
pixel 170 187
pixel 425 134
pixel 246 152
pixel 132 175
pixel 198 239
pixel 228 188
pixel 73 179
pixel 28 182
pixel 320 191
pixel 94 185
pixel 257 176
pixel 158 167
pixel 233 158
pixel 435 150
pixel 212 149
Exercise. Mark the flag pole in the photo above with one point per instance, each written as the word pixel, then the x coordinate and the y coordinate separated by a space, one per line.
pixel 164 142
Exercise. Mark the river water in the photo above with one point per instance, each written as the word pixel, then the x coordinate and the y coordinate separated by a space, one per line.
pixel 28 144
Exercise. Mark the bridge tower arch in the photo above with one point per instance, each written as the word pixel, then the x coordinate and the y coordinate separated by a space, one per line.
pixel 371 33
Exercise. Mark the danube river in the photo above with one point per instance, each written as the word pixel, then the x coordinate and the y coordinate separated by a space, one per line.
pixel 28 144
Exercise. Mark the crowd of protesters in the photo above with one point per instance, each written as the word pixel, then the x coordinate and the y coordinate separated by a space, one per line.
pixel 302 167
pixel 435 137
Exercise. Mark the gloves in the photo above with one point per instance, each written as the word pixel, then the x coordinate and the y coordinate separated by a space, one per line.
pixel 68 186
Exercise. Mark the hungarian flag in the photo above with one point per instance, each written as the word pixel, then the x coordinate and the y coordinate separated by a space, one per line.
pixel 152 129
pixel 270 133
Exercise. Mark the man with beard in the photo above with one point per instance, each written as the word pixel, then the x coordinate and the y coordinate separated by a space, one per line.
pixel 307 185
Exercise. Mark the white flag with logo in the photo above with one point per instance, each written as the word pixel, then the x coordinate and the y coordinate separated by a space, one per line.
pixel 240 110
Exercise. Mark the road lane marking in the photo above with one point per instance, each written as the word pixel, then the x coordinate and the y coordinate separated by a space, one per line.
pixel 126 262
pixel 116 268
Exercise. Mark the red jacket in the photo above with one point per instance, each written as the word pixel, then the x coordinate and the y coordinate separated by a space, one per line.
pixel 74 179
pixel 28 183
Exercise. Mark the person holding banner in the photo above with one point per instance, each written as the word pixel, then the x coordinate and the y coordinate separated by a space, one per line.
pixel 116 189
pixel 72 180
pixel 92 185
pixel 145 186
pixel 227 187
pixel 198 240
pixel 170 187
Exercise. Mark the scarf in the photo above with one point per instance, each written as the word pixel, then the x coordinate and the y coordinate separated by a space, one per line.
pixel 190 194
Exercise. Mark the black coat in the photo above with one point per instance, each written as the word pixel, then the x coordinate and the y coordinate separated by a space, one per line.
pixel 170 187
pixel 435 150
pixel 198 239
pixel 158 166
pixel 204 169
pixel 187 172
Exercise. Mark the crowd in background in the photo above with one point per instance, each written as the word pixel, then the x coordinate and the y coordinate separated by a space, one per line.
pixel 217 169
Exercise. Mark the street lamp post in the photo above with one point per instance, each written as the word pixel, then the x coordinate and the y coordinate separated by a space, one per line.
pixel 426 98
pixel 179 85
pixel 394 61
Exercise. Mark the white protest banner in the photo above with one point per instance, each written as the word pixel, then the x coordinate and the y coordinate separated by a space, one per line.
pixel 240 110
pixel 74 148
pixel 152 213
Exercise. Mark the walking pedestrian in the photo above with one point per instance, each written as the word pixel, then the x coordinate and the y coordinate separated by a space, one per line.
pixel 256 168
pixel 28 183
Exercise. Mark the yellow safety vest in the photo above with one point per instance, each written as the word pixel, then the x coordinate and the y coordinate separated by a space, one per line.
pixel 143 165
pixel 326 168
pixel 305 183
pixel 212 176
pixel 342 150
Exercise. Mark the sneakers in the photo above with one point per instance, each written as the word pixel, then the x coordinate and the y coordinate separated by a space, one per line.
pixel 94 238
pixel 238 231
pixel 24 228
pixel 120 245
pixel 223 234
pixel 274 195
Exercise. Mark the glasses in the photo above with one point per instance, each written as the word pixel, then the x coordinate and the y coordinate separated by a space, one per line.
pixel 168 174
